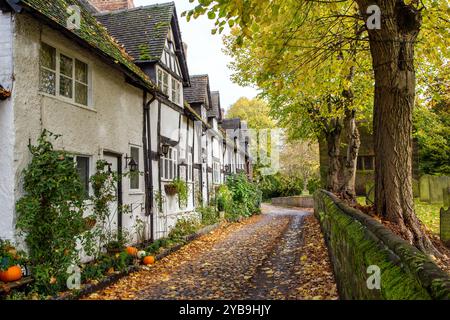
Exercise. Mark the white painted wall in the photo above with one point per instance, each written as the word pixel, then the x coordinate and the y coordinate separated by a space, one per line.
pixel 7 199
pixel 113 124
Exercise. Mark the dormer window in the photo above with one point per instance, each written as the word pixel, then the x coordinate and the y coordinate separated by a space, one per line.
pixel 170 86
pixel 163 81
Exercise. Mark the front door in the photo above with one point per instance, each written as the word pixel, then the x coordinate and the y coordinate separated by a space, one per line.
pixel 115 207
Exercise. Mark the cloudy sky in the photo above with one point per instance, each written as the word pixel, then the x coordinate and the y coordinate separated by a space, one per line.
pixel 205 53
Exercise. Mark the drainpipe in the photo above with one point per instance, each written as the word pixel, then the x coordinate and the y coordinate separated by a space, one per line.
pixel 148 162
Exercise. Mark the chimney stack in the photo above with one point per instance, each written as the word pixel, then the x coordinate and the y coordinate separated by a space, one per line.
pixel 112 5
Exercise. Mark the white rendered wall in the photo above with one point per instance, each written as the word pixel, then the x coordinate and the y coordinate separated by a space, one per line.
pixel 7 199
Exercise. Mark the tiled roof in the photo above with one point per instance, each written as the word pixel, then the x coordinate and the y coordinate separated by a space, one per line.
pixel 198 92
pixel 215 106
pixel 89 7
pixel 142 30
pixel 91 34
pixel 234 123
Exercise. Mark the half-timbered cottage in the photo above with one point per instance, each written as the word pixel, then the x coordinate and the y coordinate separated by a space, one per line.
pixel 117 89
pixel 75 82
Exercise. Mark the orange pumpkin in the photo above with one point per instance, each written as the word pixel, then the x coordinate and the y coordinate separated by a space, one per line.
pixel 13 273
pixel 132 251
pixel 149 260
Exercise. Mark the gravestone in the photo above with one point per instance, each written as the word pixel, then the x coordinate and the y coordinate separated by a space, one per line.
pixel 446 196
pixel 424 187
pixel 445 226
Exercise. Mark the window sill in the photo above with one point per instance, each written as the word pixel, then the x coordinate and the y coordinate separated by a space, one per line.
pixel 68 102
pixel 136 193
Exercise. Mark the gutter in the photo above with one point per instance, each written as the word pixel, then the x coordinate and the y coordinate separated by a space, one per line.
pixel 148 161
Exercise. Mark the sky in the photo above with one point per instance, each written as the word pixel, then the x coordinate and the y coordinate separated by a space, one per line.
pixel 204 54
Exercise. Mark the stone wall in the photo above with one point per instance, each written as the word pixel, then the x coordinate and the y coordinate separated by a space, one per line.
pixel 356 241
pixel 295 201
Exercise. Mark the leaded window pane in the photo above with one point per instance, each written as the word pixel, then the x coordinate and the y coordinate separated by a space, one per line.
pixel 81 93
pixel 65 86
pixel 47 82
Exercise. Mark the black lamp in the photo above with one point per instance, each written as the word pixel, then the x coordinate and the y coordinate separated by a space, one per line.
pixel 132 164
pixel 165 149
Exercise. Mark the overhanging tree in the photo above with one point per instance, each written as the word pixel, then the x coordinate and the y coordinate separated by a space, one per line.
pixel 392 53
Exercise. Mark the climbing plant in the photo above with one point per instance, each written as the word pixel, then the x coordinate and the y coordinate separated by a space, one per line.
pixel 50 214
pixel 104 186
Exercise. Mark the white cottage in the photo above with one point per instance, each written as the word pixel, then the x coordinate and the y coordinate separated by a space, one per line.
pixel 152 36
pixel 77 83
pixel 134 105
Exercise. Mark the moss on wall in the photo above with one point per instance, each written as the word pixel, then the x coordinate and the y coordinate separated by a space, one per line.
pixel 356 241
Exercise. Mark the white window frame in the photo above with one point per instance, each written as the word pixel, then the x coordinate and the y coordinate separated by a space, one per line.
pixel 216 172
pixel 58 75
pixel 172 165
pixel 189 175
pixel 173 86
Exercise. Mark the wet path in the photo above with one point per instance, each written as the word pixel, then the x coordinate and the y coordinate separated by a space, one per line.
pixel 257 259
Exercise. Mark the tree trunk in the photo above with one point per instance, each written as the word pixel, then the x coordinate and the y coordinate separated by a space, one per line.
pixel 347 188
pixel 392 50
pixel 333 139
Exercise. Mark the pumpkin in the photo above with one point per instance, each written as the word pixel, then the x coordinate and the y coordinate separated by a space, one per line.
pixel 13 273
pixel 141 254
pixel 132 251
pixel 149 260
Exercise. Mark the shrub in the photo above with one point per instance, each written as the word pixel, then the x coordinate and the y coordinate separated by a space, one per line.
pixel 280 185
pixel 182 228
pixel 224 198
pixel 50 215
pixel 244 192
pixel 209 215
pixel 313 185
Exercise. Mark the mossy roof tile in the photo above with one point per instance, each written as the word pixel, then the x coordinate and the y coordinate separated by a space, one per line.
pixel 142 30
pixel 91 32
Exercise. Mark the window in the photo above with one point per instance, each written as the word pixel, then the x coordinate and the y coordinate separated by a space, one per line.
pixel 365 163
pixel 83 171
pixel 216 172
pixel 189 166
pixel 174 90
pixel 369 163
pixel 134 177
pixel 163 81
pixel 48 69
pixel 61 75
pixel 169 165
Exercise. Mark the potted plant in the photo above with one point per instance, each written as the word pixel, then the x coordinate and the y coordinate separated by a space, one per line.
pixel 114 247
pixel 10 262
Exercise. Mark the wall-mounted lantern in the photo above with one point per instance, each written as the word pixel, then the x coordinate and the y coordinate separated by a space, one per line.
pixel 165 149
pixel 130 162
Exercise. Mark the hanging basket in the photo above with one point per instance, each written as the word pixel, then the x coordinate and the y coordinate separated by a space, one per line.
pixel 170 189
